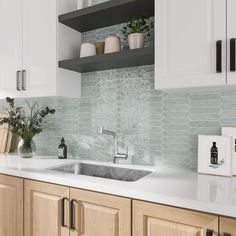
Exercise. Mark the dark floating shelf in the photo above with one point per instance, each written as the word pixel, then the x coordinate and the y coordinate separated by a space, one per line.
pixel 106 14
pixel 128 58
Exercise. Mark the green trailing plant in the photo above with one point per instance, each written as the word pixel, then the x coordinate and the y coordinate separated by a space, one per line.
pixel 24 126
pixel 137 25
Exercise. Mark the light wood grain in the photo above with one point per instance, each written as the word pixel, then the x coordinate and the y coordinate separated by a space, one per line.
pixel 158 220
pixel 99 214
pixel 4 130
pixel 11 206
pixel 227 225
pixel 42 209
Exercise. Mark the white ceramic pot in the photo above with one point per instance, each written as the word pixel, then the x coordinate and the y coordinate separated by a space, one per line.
pixel 136 40
pixel 87 50
pixel 79 4
pixel 90 3
pixel 112 44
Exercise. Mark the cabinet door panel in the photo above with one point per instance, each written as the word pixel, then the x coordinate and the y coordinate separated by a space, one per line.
pixel 158 220
pixel 167 228
pixel 42 209
pixel 231 34
pixel 10 46
pixel 100 214
pixel 227 226
pixel 186 34
pixel 11 206
pixel 39 47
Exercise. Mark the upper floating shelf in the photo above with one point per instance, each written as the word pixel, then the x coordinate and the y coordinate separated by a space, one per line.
pixel 106 14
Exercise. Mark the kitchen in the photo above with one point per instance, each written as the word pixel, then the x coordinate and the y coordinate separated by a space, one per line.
pixel 139 120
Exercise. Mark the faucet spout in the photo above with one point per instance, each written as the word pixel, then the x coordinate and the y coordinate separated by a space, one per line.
pixel 101 130
pixel 115 152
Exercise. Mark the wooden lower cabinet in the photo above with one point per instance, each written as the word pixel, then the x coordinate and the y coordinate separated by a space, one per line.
pixel 42 205
pixel 159 220
pixel 227 226
pixel 99 214
pixel 11 206
pixel 88 213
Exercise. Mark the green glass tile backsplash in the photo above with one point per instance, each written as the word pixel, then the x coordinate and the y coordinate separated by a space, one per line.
pixel 160 128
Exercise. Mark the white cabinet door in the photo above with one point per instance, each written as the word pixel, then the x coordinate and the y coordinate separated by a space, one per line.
pixel 10 46
pixel 39 47
pixel 231 41
pixel 186 35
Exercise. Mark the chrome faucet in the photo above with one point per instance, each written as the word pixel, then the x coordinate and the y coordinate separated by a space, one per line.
pixel 115 152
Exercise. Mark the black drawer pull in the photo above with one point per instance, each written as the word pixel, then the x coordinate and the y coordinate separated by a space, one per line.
pixel 209 232
pixel 72 214
pixel 232 54
pixel 63 211
pixel 225 234
pixel 219 56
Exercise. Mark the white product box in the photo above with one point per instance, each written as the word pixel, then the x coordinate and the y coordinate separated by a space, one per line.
pixel 214 155
pixel 231 131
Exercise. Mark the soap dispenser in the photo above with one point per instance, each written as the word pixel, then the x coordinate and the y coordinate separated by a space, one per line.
pixel 62 150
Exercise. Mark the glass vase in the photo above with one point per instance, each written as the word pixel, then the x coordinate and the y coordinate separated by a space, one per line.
pixel 26 148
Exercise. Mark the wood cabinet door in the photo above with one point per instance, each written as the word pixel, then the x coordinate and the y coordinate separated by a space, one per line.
pixel 159 220
pixel 42 205
pixel 227 226
pixel 11 206
pixel 99 214
pixel 187 32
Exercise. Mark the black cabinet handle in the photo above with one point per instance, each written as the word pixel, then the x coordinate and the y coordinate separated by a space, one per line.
pixel 232 54
pixel 209 232
pixel 23 80
pixel 63 211
pixel 219 56
pixel 225 234
pixel 72 214
pixel 18 74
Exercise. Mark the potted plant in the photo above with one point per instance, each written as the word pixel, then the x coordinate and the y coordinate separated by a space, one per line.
pixel 26 127
pixel 136 30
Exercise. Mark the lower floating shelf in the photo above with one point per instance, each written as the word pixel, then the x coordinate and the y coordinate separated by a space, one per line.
pixel 124 59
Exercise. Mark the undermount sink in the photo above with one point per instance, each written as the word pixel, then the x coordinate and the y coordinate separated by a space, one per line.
pixel 101 171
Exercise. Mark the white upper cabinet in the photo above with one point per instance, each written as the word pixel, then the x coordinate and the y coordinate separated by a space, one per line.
pixel 33 43
pixel 231 41
pixel 10 47
pixel 190 43
pixel 45 40
pixel 39 47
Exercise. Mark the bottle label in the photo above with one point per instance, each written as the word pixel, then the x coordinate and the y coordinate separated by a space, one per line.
pixel 214 156
pixel 61 152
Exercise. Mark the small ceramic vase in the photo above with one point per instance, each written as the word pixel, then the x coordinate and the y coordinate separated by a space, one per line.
pixel 87 50
pixel 112 44
pixel 79 4
pixel 90 3
pixel 136 40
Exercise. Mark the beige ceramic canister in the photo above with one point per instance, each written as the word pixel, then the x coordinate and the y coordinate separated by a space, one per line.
pixel 112 44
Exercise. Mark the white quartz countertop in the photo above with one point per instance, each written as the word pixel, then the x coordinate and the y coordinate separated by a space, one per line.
pixel 175 187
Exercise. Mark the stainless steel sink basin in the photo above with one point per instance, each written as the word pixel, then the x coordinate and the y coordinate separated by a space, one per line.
pixel 101 171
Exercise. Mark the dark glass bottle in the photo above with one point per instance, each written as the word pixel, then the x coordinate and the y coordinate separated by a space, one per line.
pixel 62 150
pixel 214 154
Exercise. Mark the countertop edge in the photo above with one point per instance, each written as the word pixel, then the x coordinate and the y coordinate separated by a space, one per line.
pixel 184 203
